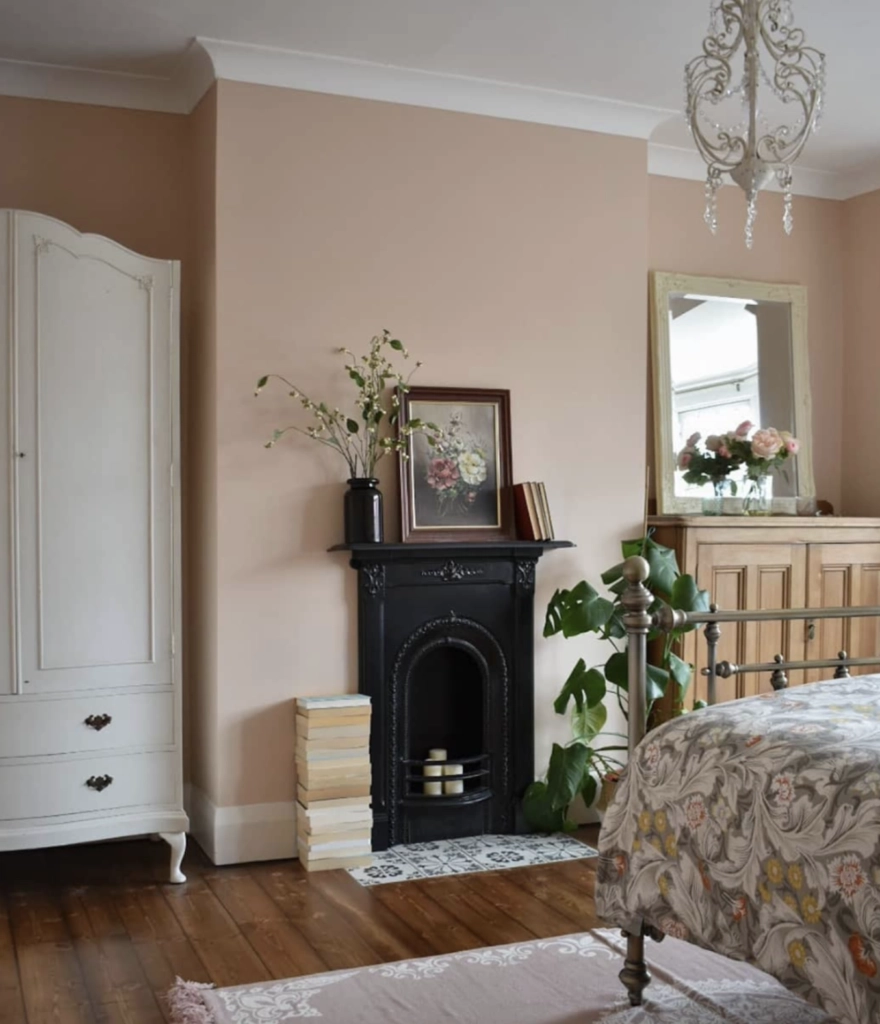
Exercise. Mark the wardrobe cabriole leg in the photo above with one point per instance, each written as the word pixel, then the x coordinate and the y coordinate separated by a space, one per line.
pixel 177 842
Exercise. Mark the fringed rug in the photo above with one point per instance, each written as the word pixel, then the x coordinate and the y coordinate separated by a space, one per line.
pixel 567 980
pixel 466 856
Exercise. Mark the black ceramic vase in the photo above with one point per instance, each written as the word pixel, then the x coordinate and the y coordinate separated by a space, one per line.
pixel 363 512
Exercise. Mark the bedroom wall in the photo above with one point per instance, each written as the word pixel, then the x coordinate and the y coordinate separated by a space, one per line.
pixel 678 240
pixel 861 410
pixel 114 172
pixel 505 254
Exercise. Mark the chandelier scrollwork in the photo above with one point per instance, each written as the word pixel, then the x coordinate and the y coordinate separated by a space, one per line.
pixel 753 126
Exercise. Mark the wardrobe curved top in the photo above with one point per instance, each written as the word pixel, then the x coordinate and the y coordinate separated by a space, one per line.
pixel 84 235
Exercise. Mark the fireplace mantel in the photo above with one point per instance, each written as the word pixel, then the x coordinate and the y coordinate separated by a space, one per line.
pixel 418 602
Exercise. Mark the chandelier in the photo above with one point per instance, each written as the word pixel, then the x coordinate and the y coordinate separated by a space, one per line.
pixel 754 126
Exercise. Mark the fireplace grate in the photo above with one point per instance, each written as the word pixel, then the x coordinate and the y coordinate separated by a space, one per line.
pixel 475 780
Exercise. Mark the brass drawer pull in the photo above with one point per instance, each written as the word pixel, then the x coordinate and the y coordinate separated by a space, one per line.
pixel 99 782
pixel 98 722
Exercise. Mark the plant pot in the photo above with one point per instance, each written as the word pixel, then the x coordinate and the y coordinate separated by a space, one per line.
pixel 606 795
pixel 364 523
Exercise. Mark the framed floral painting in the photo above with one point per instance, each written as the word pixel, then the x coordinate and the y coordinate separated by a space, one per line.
pixel 455 483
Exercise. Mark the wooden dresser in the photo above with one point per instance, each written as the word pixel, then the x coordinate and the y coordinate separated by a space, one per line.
pixel 779 562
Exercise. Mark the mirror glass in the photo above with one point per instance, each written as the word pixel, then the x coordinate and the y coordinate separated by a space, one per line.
pixel 730 362
pixel 727 353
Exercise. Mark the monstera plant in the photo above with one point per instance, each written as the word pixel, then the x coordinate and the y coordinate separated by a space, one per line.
pixel 579 766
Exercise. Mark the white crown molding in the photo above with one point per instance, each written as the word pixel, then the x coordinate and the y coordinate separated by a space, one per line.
pixel 207 60
pixel 290 69
pixel 239 835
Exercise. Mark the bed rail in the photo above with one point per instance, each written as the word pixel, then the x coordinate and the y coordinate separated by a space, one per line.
pixel 639 622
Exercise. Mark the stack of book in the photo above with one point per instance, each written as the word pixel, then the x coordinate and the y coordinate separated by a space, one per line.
pixel 334 820
pixel 533 520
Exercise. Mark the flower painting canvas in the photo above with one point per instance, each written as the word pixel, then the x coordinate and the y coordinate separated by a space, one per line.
pixel 455 479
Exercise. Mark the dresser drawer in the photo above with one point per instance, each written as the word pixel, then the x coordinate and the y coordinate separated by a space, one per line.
pixel 44 789
pixel 34 727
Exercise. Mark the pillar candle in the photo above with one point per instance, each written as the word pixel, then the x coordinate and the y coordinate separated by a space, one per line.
pixel 437 754
pixel 433 788
pixel 456 787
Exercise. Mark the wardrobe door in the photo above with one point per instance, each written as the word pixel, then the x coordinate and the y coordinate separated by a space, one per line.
pixel 93 418
pixel 7 651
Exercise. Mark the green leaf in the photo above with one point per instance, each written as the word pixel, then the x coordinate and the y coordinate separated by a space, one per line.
pixel 633 547
pixel 587 724
pixel 357 378
pixel 658 680
pixel 262 382
pixel 538 810
pixel 681 672
pixel 664 567
pixel 613 574
pixel 617 670
pixel 699 705
pixel 589 789
pixel 686 596
pixel 396 345
pixel 352 426
pixel 566 773
pixel 577 611
pixel 586 687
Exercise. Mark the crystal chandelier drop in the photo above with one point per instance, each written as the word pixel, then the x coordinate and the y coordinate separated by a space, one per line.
pixel 755 126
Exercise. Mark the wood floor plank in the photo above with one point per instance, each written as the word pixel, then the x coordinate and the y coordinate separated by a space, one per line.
pixel 52 984
pixel 443 932
pixel 11 1001
pixel 546 883
pixel 379 926
pixel 96 936
pixel 486 920
pixel 338 945
pixel 113 976
pixel 502 889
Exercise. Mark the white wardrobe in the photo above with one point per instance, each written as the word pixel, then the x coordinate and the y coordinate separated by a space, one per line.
pixel 90 688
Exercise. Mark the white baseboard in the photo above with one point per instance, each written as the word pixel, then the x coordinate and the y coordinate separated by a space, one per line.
pixel 237 835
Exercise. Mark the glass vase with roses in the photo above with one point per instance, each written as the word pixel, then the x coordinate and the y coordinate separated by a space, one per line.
pixel 721 455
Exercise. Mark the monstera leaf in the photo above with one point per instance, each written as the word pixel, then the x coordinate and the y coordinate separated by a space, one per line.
pixel 539 811
pixel 577 611
pixel 585 686
pixel 566 773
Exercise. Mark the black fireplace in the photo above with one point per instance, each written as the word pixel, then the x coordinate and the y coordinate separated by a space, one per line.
pixel 445 650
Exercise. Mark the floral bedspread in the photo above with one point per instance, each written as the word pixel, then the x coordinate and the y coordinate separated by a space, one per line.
pixel 753 829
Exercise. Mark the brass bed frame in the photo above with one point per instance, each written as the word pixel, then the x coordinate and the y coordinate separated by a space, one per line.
pixel 639 622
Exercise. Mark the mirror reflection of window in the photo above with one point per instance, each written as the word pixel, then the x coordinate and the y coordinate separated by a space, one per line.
pixel 730 361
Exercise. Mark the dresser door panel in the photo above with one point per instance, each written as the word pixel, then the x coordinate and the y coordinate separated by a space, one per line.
pixel 843 575
pixel 753 577
pixel 94 479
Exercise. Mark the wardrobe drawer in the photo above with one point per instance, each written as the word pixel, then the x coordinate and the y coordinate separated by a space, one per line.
pixel 80 724
pixel 98 784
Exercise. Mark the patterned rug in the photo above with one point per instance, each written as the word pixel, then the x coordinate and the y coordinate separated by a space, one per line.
pixel 465 856
pixel 566 980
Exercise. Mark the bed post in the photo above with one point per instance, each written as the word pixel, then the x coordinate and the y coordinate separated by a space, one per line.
pixel 636 601
pixel 713 635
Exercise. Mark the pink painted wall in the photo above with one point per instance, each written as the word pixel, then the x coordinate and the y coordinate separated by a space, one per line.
pixel 813 256
pixel 506 255
pixel 860 407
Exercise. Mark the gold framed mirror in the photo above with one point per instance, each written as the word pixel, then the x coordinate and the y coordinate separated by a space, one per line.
pixel 724 352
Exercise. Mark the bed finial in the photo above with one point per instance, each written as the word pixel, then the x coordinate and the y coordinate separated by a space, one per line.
pixel 636 569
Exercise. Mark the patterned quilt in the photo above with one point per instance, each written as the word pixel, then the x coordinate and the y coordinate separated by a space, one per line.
pixel 753 829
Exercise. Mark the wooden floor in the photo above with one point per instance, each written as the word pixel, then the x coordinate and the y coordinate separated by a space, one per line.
pixel 92 934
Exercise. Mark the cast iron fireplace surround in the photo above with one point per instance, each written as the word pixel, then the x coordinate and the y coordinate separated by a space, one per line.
pixel 446 652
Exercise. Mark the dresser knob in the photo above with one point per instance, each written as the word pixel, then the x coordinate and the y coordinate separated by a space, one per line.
pixel 98 721
pixel 99 782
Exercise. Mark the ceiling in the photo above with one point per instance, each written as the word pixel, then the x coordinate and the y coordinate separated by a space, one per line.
pixel 567 53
